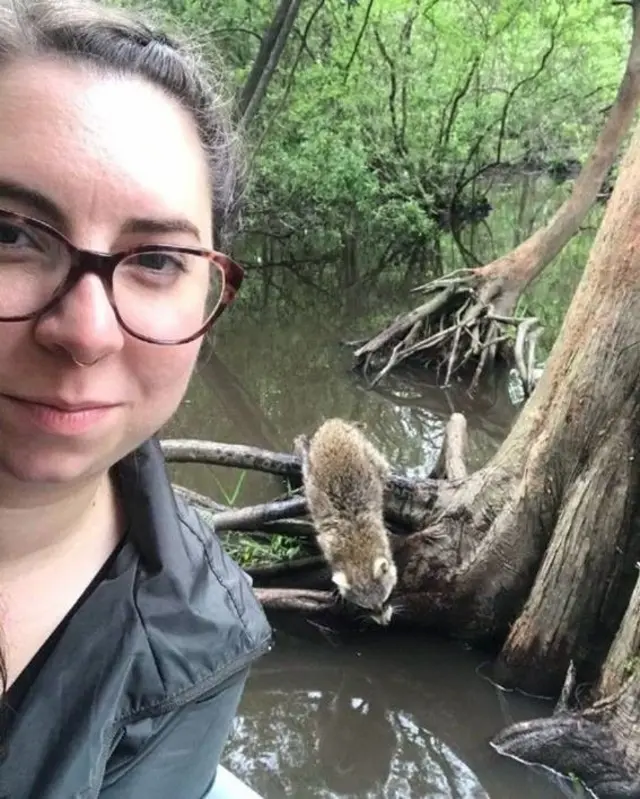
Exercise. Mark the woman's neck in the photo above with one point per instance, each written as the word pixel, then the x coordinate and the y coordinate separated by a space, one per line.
pixel 49 552
pixel 43 524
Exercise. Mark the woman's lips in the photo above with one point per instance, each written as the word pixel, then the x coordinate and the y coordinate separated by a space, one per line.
pixel 60 417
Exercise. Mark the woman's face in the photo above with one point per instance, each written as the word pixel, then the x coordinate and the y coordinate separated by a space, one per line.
pixel 105 160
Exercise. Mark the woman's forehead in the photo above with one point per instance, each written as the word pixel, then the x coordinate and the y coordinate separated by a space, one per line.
pixel 101 147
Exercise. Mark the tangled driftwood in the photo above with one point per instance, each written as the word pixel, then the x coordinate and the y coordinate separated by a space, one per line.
pixel 457 327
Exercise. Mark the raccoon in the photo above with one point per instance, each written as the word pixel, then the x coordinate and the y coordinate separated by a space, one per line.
pixel 344 477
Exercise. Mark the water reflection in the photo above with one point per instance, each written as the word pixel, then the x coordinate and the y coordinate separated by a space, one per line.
pixel 385 717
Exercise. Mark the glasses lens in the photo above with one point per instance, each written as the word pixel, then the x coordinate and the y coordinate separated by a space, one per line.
pixel 33 265
pixel 166 295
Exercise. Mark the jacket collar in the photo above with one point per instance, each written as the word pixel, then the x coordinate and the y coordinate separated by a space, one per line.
pixel 173 618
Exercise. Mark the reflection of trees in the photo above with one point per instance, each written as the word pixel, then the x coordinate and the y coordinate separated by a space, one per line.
pixel 321 721
pixel 489 415
pixel 241 409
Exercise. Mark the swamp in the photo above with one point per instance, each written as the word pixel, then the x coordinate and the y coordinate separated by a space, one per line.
pixel 440 234
pixel 277 368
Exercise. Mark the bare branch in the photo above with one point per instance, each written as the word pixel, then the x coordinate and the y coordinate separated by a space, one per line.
pixel 393 88
pixel 363 27
pixel 445 133
pixel 512 93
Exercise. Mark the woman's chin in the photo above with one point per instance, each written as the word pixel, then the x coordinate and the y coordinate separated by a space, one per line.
pixel 39 464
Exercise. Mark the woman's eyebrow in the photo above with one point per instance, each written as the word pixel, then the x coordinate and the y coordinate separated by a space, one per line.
pixel 50 212
pixel 160 225
pixel 37 201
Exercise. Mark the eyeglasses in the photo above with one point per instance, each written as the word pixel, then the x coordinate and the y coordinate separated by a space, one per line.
pixel 162 295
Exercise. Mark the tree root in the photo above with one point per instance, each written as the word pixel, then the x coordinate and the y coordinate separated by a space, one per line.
pixel 406 501
pixel 599 745
pixel 451 461
pixel 529 331
pixel 239 456
pixel 459 326
pixel 256 516
pixel 309 602
pixel 584 745
pixel 291 568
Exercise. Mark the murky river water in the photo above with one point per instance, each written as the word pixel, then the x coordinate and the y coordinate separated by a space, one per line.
pixel 375 716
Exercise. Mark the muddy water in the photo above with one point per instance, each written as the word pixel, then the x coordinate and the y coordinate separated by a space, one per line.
pixel 381 716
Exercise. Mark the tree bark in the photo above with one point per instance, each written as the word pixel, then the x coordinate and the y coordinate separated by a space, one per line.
pixel 463 319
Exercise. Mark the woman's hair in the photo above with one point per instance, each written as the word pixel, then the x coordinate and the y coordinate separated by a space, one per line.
pixel 115 42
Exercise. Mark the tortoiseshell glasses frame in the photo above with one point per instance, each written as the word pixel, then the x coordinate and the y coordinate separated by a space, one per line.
pixel 103 265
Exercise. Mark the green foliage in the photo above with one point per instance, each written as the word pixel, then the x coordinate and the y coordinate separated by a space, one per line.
pixel 379 115
pixel 250 552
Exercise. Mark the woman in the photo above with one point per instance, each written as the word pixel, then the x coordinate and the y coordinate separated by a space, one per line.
pixel 126 633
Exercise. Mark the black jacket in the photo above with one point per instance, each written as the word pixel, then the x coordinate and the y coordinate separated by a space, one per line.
pixel 137 698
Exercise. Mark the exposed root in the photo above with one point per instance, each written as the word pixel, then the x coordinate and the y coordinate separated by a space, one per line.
pixel 255 516
pixel 239 456
pixel 406 501
pixel 460 326
pixel 563 704
pixel 451 463
pixel 625 649
pixel 599 745
pixel 584 745
pixel 306 601
pixel 527 336
pixel 291 568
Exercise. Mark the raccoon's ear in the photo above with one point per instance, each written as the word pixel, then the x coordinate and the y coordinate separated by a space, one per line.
pixel 340 579
pixel 381 566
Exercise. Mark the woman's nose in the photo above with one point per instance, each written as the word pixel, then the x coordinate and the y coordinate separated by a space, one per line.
pixel 83 323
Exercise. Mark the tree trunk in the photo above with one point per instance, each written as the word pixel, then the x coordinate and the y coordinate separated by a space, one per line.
pixel 537 545
pixel 600 745
pixel 267 59
pixel 463 319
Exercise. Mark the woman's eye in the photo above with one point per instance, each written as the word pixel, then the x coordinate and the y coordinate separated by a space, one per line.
pixel 14 236
pixel 160 261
